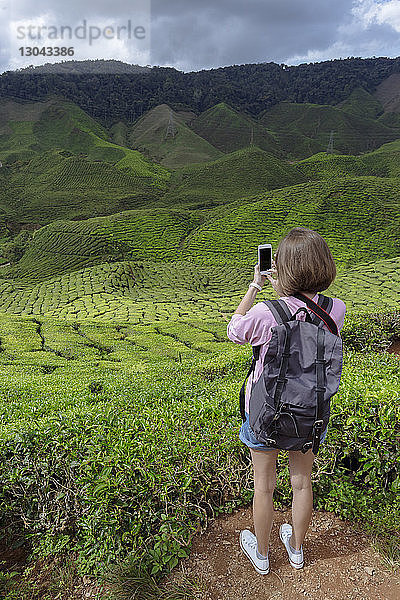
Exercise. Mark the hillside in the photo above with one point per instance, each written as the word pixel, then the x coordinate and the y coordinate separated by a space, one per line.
pixel 59 163
pixel 228 130
pixel 359 218
pixel 118 277
pixel 64 246
pixel 304 129
pixel 239 174
pixel 181 147
pixel 388 93
pixel 382 162
pixel 362 104
pixel 248 88
pixel 57 156
pixel 30 128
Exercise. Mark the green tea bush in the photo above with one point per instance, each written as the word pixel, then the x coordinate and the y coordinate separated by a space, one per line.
pixel 136 469
pixel 130 469
pixel 359 464
pixel 371 331
pixel 15 249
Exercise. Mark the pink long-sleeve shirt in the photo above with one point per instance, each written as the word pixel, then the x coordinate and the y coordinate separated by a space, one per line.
pixel 255 328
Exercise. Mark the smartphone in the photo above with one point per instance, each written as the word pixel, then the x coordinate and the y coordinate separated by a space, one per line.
pixel 265 258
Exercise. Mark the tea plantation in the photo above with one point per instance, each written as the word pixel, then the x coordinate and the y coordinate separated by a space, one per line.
pixel 124 255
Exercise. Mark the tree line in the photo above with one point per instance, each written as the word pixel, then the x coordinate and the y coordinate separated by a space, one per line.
pixel 249 88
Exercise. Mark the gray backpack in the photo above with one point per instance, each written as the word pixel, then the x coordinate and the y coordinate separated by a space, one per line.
pixel 290 403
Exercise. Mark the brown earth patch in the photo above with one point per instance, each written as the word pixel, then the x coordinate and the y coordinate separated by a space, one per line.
pixel 394 348
pixel 340 563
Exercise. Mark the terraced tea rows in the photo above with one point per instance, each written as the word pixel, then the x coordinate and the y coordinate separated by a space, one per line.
pixel 181 147
pixel 138 292
pixel 303 129
pixel 371 286
pixel 67 245
pixel 48 344
pixel 358 217
pixel 240 174
pixel 147 293
pixel 383 162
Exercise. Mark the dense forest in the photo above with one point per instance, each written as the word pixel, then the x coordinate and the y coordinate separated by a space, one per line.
pixel 250 88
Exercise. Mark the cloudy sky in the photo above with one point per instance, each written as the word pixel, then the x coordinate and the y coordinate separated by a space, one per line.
pixel 191 35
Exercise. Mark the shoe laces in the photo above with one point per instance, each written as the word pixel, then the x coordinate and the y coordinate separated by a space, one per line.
pixel 252 543
pixel 286 534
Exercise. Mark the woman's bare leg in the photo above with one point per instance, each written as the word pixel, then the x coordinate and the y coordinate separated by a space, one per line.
pixel 264 464
pixel 300 477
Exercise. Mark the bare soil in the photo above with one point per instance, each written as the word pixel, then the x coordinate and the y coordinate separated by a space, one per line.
pixel 340 563
pixel 43 575
pixel 394 348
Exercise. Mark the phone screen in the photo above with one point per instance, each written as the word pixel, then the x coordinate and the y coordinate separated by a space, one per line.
pixel 265 259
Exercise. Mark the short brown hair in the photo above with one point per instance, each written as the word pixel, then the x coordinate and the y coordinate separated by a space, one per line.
pixel 304 262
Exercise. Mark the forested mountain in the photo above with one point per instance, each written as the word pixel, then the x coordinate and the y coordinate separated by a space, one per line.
pixel 249 88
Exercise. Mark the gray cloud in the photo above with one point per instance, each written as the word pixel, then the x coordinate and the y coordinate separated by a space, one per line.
pixel 190 35
pixel 29 22
pixel 235 32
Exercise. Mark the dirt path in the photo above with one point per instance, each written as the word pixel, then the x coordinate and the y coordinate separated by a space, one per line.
pixel 340 564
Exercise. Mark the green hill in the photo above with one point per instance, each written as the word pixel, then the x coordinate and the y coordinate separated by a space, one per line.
pixel 390 119
pixel 58 124
pixel 304 129
pixel 53 123
pixel 388 93
pixel 58 184
pixel 64 246
pixel 330 166
pixel 382 162
pixel 361 103
pixel 181 147
pixel 31 127
pixel 229 130
pixel 239 174
pixel 359 217
pixel 58 163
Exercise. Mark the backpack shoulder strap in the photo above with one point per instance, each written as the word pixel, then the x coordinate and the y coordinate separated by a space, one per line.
pixel 279 310
pixel 318 309
pixel 326 303
pixel 281 314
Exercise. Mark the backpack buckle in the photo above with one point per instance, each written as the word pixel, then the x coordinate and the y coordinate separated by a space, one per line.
pixel 307 446
pixel 270 442
pixel 316 435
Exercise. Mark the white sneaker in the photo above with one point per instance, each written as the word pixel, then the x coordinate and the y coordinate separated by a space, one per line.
pixel 248 543
pixel 296 560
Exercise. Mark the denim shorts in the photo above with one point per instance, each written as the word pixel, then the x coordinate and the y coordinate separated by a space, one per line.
pixel 247 437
